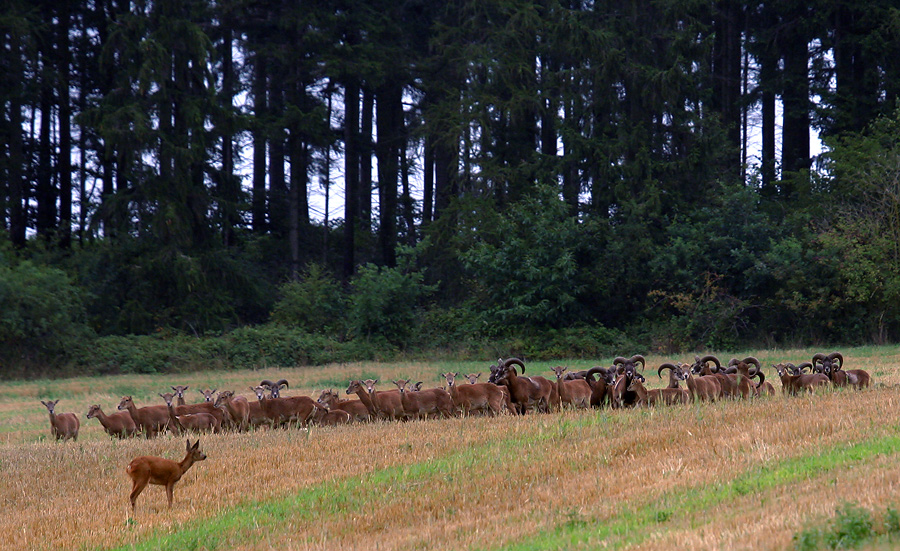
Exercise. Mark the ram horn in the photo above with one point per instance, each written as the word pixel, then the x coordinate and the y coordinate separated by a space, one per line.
pixel 266 382
pixel 589 376
pixel 762 377
pixel 282 382
pixel 665 366
pixel 819 358
pixel 638 358
pixel 837 356
pixel 754 361
pixel 514 361
pixel 619 360
pixel 804 365
pixel 711 358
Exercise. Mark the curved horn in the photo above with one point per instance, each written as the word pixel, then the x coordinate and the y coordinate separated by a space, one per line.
pixel 711 358
pixel 818 358
pixel 762 377
pixel 619 360
pixel 266 382
pixel 837 356
pixel 638 358
pixel 665 366
pixel 804 365
pixel 593 371
pixel 514 361
pixel 282 382
pixel 754 361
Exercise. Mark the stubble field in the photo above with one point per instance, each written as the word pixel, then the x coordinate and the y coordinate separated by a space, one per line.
pixel 729 475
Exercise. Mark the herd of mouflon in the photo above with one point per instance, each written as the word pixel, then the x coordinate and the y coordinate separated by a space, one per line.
pixel 507 390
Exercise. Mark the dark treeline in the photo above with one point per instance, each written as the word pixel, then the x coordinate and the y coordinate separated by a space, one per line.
pixel 508 169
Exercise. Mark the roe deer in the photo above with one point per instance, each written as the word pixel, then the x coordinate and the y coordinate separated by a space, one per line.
pixel 160 471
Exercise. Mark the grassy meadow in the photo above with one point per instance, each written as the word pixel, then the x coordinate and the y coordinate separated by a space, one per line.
pixel 729 475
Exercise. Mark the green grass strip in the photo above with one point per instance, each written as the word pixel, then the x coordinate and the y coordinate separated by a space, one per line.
pixel 633 525
pixel 247 522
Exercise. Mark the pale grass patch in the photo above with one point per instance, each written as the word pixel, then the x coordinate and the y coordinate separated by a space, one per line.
pixel 568 466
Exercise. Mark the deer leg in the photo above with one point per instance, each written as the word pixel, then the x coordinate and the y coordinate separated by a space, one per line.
pixel 137 488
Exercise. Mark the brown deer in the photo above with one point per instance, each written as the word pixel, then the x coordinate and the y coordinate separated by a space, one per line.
pixel 198 422
pixel 237 407
pixel 160 471
pixel 330 417
pixel 573 392
pixel 207 395
pixel 356 408
pixel 179 391
pixel 64 425
pixel 472 378
pixel 283 411
pixel 482 397
pixel 658 396
pixel 149 419
pixel 119 424
pixel 526 392
pixel 793 384
pixel 359 388
pixel 420 404
pixel 706 388
pixel 387 403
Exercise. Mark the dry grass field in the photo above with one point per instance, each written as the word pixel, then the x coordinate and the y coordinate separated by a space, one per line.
pixel 730 475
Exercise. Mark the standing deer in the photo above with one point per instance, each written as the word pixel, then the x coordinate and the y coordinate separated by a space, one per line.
pixel 160 471
pixel 207 395
pixel 572 392
pixel 434 401
pixel 64 425
pixel 237 407
pixel 485 398
pixel 179 392
pixel 149 419
pixel 119 424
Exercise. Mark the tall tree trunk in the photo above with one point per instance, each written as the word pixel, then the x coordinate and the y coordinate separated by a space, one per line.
pixel 427 180
pixel 365 161
pixel 64 229
pixel 44 192
pixel 795 137
pixel 106 150
pixel 278 200
pixel 260 126
pixel 229 185
pixel 298 206
pixel 728 24
pixel 407 204
pixel 17 212
pixel 767 59
pixel 390 138
pixel 351 173
pixel 296 153
pixel 856 73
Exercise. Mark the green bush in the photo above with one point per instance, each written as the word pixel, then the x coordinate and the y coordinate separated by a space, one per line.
pixel 315 303
pixel 851 527
pixel 384 303
pixel 245 348
pixel 41 315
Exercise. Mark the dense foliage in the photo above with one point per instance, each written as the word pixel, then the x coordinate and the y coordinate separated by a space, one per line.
pixel 541 177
